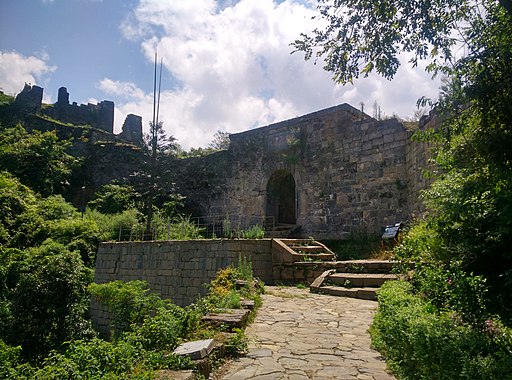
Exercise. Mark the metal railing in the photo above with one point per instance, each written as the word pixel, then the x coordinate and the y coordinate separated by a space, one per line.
pixel 211 226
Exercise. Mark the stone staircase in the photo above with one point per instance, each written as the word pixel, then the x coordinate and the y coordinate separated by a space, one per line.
pixel 282 230
pixel 356 279
pixel 300 250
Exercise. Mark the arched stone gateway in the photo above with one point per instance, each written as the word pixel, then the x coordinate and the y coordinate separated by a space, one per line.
pixel 333 172
pixel 282 198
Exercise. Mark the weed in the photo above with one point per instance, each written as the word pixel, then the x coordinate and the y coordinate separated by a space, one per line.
pixel 237 344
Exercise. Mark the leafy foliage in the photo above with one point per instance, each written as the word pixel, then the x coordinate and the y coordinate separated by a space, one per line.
pixel 178 228
pixel 113 199
pixel 450 288
pixel 163 331
pixel 45 291
pixel 128 302
pixel 115 227
pixel 220 141
pixel 471 201
pixel 20 223
pixel 38 159
pixel 363 36
pixel 420 342
pixel 5 99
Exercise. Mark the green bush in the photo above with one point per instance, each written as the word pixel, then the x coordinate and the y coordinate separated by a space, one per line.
pixel 21 225
pixel 237 344
pixel 115 227
pixel 254 232
pixel 38 159
pixel 44 290
pixel 449 287
pixel 55 207
pixel 419 342
pixel 9 361
pixel 95 359
pixel 161 332
pixel 419 242
pixel 129 302
pixel 113 199
pixel 181 228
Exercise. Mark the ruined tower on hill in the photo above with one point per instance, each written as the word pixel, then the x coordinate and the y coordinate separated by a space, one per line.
pixel 99 116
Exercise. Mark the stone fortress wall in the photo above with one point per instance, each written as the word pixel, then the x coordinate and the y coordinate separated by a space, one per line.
pixel 333 172
pixel 330 173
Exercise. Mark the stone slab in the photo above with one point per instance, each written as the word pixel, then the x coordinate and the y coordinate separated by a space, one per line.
pixel 234 318
pixel 197 349
pixel 247 304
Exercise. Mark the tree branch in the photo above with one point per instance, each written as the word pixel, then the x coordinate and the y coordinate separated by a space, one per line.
pixel 507 4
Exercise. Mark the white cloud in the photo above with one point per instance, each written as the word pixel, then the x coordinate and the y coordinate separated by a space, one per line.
pixel 234 69
pixel 16 69
pixel 125 90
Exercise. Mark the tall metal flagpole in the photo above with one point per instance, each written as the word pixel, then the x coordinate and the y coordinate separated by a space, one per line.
pixel 159 91
pixel 152 161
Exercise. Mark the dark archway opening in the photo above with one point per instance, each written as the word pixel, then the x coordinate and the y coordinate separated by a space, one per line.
pixel 281 198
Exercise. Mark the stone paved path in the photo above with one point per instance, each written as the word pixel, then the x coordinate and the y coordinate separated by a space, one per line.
pixel 299 335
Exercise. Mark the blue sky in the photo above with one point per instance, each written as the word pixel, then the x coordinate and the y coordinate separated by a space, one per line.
pixel 227 63
pixel 81 38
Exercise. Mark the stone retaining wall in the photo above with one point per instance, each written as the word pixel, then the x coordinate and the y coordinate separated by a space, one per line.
pixel 176 269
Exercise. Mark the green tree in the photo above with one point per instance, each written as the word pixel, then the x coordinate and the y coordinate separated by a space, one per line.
pixel 38 159
pixel 46 291
pixel 366 35
pixel 154 182
pixel 113 198
pixel 471 200
pixel 220 141
pixel 21 225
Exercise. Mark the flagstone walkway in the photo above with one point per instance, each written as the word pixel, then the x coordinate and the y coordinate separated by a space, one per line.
pixel 300 335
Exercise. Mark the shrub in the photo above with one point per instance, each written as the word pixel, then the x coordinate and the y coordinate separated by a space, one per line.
pixel 237 344
pixel 254 232
pixel 113 199
pixel 449 287
pixel 95 359
pixel 181 228
pixel 21 225
pixel 161 332
pixel 47 298
pixel 9 361
pixel 129 302
pixel 115 227
pixel 419 242
pixel 419 342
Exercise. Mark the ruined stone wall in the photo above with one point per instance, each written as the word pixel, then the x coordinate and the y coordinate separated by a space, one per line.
pixel 176 269
pixel 29 99
pixel 99 115
pixel 349 170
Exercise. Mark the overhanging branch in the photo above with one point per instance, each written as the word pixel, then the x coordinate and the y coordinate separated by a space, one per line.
pixel 507 4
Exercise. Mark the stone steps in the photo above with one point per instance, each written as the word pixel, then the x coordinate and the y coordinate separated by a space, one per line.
pixel 300 250
pixel 361 293
pixel 358 279
pixel 282 231
pixel 364 280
